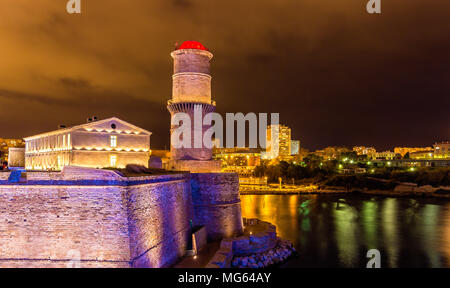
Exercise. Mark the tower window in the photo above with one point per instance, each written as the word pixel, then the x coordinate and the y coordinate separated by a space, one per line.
pixel 113 141
pixel 113 161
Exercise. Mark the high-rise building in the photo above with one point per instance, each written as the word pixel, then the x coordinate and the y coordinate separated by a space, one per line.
pixel 278 142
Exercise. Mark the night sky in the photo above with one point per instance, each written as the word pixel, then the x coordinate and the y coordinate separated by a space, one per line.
pixel 336 74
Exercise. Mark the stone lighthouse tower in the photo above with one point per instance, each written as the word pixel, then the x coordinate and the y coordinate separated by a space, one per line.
pixel 191 94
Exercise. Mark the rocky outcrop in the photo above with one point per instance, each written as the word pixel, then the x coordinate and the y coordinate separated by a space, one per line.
pixel 259 247
pixel 405 187
pixel 278 254
pixel 425 189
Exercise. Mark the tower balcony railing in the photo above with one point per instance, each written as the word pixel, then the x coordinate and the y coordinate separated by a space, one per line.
pixel 211 102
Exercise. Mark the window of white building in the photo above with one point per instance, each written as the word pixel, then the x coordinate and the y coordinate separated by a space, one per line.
pixel 113 161
pixel 113 141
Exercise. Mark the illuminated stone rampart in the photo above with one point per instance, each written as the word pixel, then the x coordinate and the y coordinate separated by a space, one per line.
pixel 49 218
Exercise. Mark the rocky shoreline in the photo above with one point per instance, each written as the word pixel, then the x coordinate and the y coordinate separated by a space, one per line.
pixel 294 192
pixel 410 190
pixel 278 255
pixel 401 190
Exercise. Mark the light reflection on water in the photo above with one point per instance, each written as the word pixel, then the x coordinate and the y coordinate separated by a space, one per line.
pixel 337 231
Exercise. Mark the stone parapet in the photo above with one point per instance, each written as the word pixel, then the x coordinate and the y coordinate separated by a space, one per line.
pixel 195 166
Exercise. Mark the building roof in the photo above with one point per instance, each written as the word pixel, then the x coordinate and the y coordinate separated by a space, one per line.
pixel 192 45
pixel 86 125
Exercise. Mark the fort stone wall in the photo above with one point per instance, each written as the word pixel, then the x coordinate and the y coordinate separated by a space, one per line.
pixel 159 217
pixel 53 225
pixel 84 217
pixel 217 203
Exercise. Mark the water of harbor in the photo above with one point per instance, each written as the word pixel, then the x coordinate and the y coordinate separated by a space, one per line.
pixel 337 231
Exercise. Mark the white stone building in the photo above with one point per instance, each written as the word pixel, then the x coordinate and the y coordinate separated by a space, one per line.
pixel 98 144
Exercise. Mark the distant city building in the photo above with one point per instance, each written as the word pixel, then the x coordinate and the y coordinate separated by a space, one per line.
pixel 243 163
pixel 353 170
pixel 331 153
pixel 386 155
pixel 5 144
pixel 16 157
pixel 239 160
pixel 280 149
pixel 362 150
pixel 421 155
pixel 295 147
pixel 302 154
pixel 403 150
pixel 411 163
pixel 164 155
pixel 98 144
pixel 235 150
pixel 442 150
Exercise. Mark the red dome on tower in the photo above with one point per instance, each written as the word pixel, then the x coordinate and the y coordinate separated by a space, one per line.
pixel 192 45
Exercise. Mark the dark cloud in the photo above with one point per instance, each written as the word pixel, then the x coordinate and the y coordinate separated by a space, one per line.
pixel 336 75
pixel 75 83
pixel 182 3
